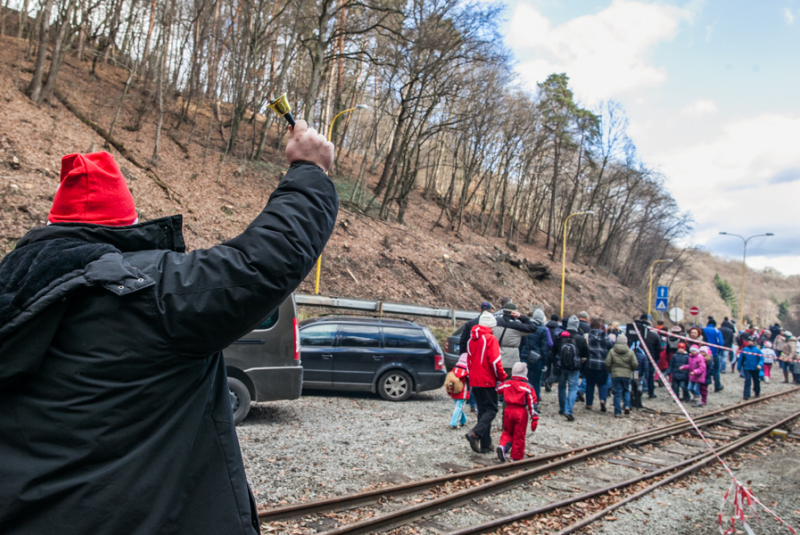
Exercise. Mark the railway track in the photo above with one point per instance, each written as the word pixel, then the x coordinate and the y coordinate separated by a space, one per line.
pixel 535 486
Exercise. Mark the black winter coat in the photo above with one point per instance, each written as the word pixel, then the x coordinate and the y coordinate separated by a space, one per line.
pixel 678 360
pixel 538 342
pixel 651 338
pixel 728 332
pixel 115 414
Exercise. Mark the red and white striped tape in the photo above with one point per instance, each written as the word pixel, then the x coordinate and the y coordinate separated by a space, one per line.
pixel 709 344
pixel 741 494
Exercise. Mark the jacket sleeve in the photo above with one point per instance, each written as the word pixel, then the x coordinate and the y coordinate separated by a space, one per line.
pixel 211 297
pixel 544 342
pixel 609 360
pixel 530 399
pixel 493 352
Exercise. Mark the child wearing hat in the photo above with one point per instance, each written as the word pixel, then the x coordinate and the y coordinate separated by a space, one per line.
pixel 697 372
pixel 456 385
pixel 680 376
pixel 520 399
pixel 769 359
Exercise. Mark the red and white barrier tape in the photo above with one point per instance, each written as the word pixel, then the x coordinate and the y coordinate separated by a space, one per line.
pixel 741 494
pixel 709 344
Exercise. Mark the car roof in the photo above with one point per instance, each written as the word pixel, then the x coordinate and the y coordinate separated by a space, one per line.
pixel 361 320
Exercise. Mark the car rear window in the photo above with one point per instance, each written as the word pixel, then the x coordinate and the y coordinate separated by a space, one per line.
pixel 318 335
pixel 359 336
pixel 400 338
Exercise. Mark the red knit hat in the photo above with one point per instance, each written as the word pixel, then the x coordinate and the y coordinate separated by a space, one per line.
pixel 92 190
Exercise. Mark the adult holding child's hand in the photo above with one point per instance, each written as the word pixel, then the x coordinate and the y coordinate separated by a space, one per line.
pixel 307 145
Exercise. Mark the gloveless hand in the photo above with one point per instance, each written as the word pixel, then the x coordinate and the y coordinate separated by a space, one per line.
pixel 306 144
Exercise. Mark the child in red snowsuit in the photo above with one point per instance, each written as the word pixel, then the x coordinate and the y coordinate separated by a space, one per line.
pixel 519 399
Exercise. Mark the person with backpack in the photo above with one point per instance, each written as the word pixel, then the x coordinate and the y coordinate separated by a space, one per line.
pixel 554 326
pixel 534 350
pixel 621 363
pixel 571 352
pixel 595 368
pixel 520 405
pixel 456 384
pixel 485 367
pixel 679 374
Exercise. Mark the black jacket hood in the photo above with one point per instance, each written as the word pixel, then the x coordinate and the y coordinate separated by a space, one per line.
pixel 49 263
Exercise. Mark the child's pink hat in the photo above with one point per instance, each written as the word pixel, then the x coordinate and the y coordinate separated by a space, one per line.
pixel 462 360
pixel 705 349
pixel 694 349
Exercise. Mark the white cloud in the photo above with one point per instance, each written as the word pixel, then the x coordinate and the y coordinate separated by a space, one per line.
pixel 605 54
pixel 699 107
pixel 788 16
pixel 742 177
pixel 709 32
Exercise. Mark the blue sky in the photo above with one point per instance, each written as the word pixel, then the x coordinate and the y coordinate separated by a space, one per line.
pixel 711 89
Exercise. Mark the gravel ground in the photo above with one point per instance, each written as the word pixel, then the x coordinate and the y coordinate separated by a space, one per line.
pixel 327 444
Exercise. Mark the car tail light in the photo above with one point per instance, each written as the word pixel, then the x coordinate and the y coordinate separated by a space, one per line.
pixel 296 340
pixel 439 362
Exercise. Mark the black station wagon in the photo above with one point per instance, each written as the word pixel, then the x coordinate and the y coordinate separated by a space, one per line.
pixel 394 358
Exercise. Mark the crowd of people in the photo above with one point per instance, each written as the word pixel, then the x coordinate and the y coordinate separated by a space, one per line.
pixel 508 358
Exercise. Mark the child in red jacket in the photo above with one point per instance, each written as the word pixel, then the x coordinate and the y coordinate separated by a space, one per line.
pixel 461 374
pixel 519 401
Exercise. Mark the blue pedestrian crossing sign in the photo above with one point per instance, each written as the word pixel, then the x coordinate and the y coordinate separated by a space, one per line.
pixel 662 292
pixel 661 304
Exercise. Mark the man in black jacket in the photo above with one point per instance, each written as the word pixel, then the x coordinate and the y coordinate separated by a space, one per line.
pixel 462 342
pixel 728 331
pixel 653 342
pixel 535 351
pixel 115 413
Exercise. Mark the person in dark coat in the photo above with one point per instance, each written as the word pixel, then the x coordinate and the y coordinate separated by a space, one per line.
pixel 465 332
pixel 679 375
pixel 554 326
pixel 568 378
pixel 595 368
pixel 728 331
pixel 653 342
pixel 714 336
pixel 115 413
pixel 583 322
pixel 535 350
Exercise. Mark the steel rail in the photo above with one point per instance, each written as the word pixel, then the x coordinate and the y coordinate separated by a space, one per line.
pixel 358 499
pixel 691 465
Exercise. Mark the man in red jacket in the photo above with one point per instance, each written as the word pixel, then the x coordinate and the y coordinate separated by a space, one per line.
pixel 519 399
pixel 485 372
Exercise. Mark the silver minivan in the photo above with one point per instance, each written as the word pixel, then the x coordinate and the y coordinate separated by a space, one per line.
pixel 264 365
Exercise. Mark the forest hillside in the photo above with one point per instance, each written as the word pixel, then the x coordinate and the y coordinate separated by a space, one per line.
pixel 423 258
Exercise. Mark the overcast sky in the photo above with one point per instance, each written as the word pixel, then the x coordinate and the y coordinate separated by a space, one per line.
pixel 711 89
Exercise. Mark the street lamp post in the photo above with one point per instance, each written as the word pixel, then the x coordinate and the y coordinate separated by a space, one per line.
pixel 650 293
pixel 744 267
pixel 330 135
pixel 564 256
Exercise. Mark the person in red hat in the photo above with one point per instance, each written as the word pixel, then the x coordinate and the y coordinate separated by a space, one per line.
pixel 115 413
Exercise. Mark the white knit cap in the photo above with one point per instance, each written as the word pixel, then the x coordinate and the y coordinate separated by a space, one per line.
pixel 520 369
pixel 487 320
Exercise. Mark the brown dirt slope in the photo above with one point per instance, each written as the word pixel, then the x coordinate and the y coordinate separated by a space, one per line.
pixel 365 258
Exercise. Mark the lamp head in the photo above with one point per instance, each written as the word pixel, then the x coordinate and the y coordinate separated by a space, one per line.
pixel 724 233
pixel 770 234
pixel 590 212
pixel 281 106
pixel 362 107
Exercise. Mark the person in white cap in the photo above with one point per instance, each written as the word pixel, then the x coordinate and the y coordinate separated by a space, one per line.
pixel 485 372
pixel 519 401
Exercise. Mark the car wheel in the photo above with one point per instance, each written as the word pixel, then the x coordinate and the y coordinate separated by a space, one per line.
pixel 395 385
pixel 240 399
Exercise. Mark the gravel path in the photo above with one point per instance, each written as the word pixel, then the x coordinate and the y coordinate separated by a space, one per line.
pixel 327 444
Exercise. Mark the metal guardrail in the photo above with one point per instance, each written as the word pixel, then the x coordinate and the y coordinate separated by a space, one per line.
pixel 382 307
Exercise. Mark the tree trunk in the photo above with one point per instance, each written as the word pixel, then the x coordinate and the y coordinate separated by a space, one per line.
pixel 35 88
pixel 55 59
pixel 146 50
